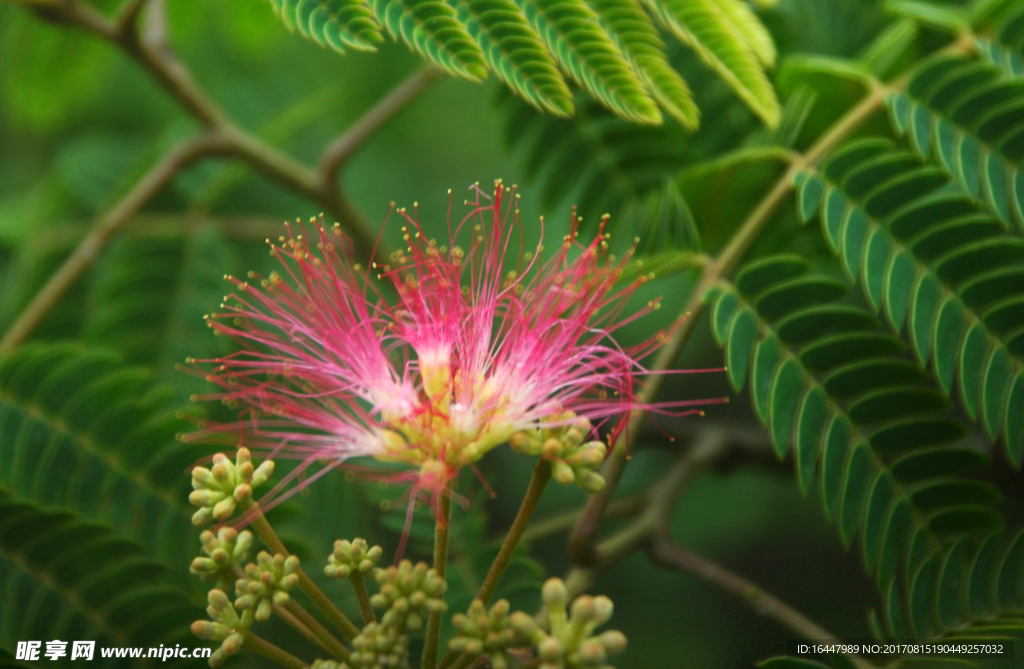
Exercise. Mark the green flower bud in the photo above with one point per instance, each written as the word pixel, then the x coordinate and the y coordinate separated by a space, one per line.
pixel 564 640
pixel 328 664
pixel 227 550
pixel 227 626
pixel 572 459
pixel 352 558
pixel 409 593
pixel 487 632
pixel 219 491
pixel 614 642
pixel 554 593
pixel 379 646
pixel 266 583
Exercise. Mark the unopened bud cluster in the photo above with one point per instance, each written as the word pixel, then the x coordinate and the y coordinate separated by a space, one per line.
pixel 564 637
pixel 219 490
pixel 410 593
pixel 266 583
pixel 225 625
pixel 379 646
pixel 350 558
pixel 483 632
pixel 573 460
pixel 224 551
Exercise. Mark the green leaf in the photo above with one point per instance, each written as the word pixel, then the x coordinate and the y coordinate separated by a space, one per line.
pixel 949 323
pixel 924 296
pixel 515 53
pixel 722 312
pixel 952 574
pixel 834 351
pixel 637 38
pixel 432 29
pixel 920 598
pixel 790 663
pixel 949 270
pixel 741 336
pixel 894 541
pixel 891 404
pixel 79 429
pixel 982 576
pixel 916 432
pixel 933 463
pixel 948 18
pixel 81 575
pixel 338 24
pixel 895 618
pixel 1010 579
pixel 785 393
pixel 972 355
pixel 837 439
pixel 948 493
pixel 760 274
pixel 876 515
pixel 809 195
pixel 1013 430
pixel 571 31
pixel 994 387
pixel 856 477
pixel 710 31
pixel 767 354
pixel 810 425
pixel 965 519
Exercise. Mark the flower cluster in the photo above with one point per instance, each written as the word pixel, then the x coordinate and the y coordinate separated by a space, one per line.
pixel 218 491
pixel 266 583
pixel 560 637
pixel 432 358
pixel 225 552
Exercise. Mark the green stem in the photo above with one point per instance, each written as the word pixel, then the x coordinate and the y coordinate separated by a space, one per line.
pixel 539 480
pixel 442 535
pixel 271 652
pixel 302 629
pixel 325 639
pixel 359 586
pixel 541 476
pixel 326 606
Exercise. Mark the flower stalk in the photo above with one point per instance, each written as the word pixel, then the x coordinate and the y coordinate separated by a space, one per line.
pixel 442 536
pixel 259 523
pixel 273 653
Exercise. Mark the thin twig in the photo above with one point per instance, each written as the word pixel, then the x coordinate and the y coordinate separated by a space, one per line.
pixel 664 553
pixel 340 150
pixel 564 522
pixel 155 56
pixel 89 248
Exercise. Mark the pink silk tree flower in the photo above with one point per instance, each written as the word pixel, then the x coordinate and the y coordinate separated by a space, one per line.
pixel 434 358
